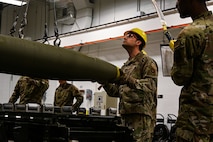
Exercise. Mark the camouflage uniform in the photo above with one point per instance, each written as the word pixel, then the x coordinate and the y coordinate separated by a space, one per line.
pixel 193 68
pixel 30 90
pixel 138 101
pixel 65 94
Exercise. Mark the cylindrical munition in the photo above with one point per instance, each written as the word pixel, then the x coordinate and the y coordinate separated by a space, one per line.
pixel 24 57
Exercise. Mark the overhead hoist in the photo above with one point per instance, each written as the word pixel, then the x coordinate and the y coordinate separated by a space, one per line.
pixel 57 40
pixel 45 37
pixel 23 22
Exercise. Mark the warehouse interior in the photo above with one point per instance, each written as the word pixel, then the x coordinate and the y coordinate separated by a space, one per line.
pixel 95 28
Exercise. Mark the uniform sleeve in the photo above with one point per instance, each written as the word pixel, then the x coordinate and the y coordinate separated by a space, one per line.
pixel 143 79
pixel 148 81
pixel 41 83
pixel 16 93
pixel 79 98
pixel 44 84
pixel 183 65
pixel 111 90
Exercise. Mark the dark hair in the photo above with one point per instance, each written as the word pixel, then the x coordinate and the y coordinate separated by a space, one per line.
pixel 142 41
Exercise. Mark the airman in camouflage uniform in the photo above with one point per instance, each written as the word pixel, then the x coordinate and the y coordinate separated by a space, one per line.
pixel 193 69
pixel 137 88
pixel 30 90
pixel 65 94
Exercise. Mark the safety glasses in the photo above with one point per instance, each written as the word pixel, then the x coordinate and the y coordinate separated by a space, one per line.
pixel 130 35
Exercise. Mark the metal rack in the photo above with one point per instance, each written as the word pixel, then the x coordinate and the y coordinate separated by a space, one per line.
pixel 40 126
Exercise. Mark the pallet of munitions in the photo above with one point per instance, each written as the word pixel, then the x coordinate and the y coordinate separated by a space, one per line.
pixel 35 123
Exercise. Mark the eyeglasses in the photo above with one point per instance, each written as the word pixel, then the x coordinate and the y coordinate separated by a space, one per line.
pixel 130 35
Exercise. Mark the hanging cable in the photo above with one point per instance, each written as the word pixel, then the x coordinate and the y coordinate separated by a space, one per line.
pixel 57 41
pixel 23 22
pixel 45 37
pixel 13 29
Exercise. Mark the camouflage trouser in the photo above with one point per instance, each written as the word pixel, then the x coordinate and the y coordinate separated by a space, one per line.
pixel 142 125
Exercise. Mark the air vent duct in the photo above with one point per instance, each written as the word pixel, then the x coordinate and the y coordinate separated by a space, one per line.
pixel 66 15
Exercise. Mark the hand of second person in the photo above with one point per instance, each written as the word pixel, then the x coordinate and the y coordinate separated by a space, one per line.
pixel 125 79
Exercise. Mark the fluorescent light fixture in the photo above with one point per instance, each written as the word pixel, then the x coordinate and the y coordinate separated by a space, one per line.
pixel 14 2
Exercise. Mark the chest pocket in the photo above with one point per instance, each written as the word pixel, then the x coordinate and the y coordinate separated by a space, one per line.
pixel 132 70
